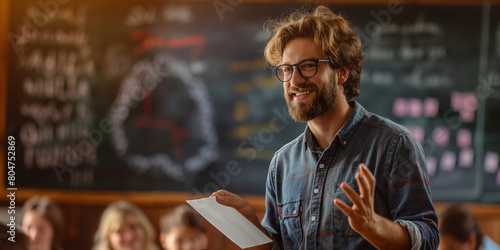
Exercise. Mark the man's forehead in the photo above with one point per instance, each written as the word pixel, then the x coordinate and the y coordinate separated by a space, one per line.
pixel 300 49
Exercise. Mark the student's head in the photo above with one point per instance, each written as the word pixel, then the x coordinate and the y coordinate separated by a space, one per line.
pixel 182 229
pixel 18 240
pixel 458 229
pixel 123 226
pixel 333 38
pixel 42 221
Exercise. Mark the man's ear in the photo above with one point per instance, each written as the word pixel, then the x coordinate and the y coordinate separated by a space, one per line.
pixel 342 74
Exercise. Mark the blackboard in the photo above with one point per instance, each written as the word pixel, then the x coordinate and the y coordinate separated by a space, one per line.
pixel 490 86
pixel 175 96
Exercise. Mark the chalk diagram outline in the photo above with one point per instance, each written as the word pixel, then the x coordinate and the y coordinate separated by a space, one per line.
pixel 144 77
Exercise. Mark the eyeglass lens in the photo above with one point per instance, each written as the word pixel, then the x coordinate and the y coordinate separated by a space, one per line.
pixel 306 69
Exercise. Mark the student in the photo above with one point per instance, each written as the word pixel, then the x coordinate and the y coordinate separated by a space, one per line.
pixel 183 229
pixel 42 221
pixel 20 241
pixel 353 179
pixel 123 226
pixel 459 230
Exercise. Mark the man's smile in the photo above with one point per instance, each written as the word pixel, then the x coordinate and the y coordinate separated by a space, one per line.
pixel 301 95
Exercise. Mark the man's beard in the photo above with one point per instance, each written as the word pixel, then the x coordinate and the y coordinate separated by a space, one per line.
pixel 323 102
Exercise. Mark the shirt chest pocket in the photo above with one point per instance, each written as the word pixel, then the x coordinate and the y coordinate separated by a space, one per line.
pixel 339 220
pixel 290 224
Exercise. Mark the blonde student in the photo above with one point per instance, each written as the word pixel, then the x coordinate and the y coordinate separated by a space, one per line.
pixel 123 226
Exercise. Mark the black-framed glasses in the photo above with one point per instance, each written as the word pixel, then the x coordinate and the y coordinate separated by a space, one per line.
pixel 306 68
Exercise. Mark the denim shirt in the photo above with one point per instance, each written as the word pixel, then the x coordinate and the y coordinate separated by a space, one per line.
pixel 303 182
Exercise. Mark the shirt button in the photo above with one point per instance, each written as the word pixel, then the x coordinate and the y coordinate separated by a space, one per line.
pixel 316 191
pixel 294 212
pixel 344 142
pixel 321 165
pixel 313 218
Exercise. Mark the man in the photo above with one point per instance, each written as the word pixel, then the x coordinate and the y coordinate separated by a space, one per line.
pixel 321 193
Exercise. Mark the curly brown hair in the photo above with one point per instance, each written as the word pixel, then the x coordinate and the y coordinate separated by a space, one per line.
pixel 330 31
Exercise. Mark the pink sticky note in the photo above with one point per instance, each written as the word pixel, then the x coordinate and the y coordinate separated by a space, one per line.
pixel 464 101
pixel 469 100
pixel 466 158
pixel 467 116
pixel 415 107
pixel 491 160
pixel 448 161
pixel 431 165
pixel 441 136
pixel 399 108
pixel 464 138
pixel 431 107
pixel 418 132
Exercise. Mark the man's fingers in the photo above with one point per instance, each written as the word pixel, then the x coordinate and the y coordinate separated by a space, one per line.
pixel 353 196
pixel 221 193
pixel 232 200
pixel 370 179
pixel 364 186
pixel 366 189
pixel 346 209
pixel 227 198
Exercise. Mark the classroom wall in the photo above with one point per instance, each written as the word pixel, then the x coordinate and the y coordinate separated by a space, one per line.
pixel 93 95
pixel 82 209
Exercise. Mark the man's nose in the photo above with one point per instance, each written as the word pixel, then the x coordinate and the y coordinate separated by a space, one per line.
pixel 297 80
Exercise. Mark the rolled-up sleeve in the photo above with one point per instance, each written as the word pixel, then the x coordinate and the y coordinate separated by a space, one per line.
pixel 410 194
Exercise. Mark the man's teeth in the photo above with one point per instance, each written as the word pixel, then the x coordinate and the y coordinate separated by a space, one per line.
pixel 302 93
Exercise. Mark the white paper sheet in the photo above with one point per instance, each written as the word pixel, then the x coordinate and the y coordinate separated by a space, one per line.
pixel 230 222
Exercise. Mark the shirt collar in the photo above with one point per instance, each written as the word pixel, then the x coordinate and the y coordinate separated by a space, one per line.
pixel 347 131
